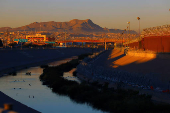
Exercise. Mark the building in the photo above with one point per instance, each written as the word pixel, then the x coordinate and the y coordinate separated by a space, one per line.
pixel 37 38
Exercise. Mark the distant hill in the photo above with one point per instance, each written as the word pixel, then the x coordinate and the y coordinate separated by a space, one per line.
pixel 73 26
pixel 3 29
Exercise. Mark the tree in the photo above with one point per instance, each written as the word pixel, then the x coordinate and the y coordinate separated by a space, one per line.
pixel 1 44
pixel 12 44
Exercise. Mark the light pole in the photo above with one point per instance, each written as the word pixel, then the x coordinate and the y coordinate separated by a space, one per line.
pixel 139 25
pixel 65 37
pixel 128 30
pixel 92 43
pixel 105 42
pixel 21 41
pixel 127 34
pixel 139 29
pixel 122 37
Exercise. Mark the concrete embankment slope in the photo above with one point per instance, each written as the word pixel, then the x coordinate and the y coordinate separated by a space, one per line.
pixel 136 70
pixel 135 63
pixel 12 60
pixel 156 64
pixel 16 106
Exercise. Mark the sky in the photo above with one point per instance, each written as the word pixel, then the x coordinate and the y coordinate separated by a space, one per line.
pixel 106 13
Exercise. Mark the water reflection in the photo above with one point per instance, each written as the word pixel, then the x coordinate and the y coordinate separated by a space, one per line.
pixel 56 63
pixel 30 91
pixel 69 76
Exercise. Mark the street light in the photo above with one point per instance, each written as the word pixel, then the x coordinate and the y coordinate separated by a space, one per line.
pixel 129 24
pixel 139 25
pixel 127 34
pixel 122 37
pixel 129 29
pixel 65 37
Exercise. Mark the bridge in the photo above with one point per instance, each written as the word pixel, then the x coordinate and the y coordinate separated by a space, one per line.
pixel 99 40
pixel 96 41
pixel 104 40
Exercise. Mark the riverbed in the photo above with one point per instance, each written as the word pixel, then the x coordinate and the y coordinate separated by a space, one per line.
pixel 30 91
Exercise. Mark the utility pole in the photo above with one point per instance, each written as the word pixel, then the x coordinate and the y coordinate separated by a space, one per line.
pixel 128 35
pixel 105 42
pixel 65 37
pixel 92 43
pixel 7 38
pixel 139 25
pixel 128 30
pixel 40 25
pixel 21 42
pixel 122 37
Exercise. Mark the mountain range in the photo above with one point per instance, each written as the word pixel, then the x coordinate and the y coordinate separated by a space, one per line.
pixel 73 26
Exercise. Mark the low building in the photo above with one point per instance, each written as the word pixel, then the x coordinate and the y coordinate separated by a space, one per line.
pixel 36 38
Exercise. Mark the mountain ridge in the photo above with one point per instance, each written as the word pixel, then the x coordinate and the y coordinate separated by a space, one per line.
pixel 73 26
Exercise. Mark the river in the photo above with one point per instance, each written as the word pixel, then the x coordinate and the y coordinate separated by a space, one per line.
pixel 30 91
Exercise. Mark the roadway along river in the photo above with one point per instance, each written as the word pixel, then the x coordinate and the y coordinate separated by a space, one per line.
pixel 30 91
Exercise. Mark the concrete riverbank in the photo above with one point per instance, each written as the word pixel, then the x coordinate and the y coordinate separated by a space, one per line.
pixel 16 106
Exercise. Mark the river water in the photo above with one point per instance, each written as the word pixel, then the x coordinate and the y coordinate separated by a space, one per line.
pixel 30 91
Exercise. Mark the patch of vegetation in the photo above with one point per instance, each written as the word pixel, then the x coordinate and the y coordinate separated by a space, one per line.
pixel 44 66
pixel 1 44
pixel 75 73
pixel 12 44
pixel 97 96
pixel 13 73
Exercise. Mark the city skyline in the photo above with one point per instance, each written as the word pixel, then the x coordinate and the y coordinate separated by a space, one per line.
pixel 110 14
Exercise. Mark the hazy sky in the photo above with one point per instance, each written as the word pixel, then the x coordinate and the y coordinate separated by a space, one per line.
pixel 105 13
